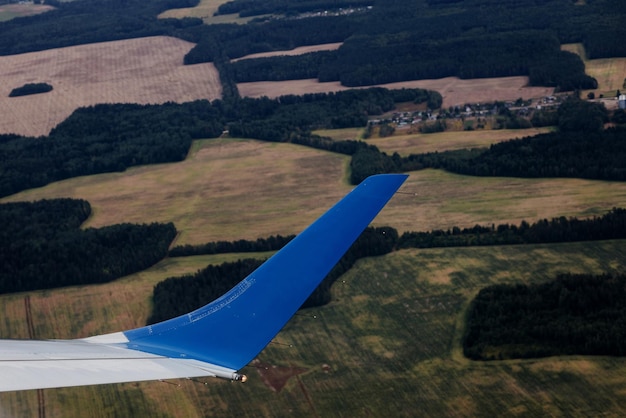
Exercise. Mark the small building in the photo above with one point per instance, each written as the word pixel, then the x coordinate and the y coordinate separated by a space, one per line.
pixel 622 101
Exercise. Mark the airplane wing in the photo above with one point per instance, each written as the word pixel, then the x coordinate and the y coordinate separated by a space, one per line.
pixel 217 339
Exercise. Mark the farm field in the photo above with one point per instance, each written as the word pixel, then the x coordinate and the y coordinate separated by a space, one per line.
pixel 205 10
pixel 13 10
pixel 296 51
pixel 418 143
pixel 244 189
pixel 389 342
pixel 144 71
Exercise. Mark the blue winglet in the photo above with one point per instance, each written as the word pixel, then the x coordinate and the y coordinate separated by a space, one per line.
pixel 234 328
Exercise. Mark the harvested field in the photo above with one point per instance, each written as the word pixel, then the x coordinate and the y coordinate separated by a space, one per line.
pixel 205 10
pixel 144 71
pixel 243 189
pixel 10 11
pixel 454 90
pixel 296 51
pixel 418 143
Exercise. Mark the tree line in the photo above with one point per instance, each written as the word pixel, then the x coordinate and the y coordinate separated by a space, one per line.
pixel 271 243
pixel 43 247
pixel 30 88
pixel 574 314
pixel 611 225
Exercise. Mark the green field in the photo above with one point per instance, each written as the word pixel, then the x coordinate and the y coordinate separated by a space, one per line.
pixel 388 343
pixel 609 72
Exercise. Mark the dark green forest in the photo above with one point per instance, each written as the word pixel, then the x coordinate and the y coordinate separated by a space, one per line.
pixel 43 247
pixel 574 314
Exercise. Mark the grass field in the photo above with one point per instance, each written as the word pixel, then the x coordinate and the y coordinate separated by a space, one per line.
pixel 609 72
pixel 389 343
pixel 243 189
pixel 205 10
pixel 11 11
pixel 418 143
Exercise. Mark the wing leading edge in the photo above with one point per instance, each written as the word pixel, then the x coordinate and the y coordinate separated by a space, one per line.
pixel 219 338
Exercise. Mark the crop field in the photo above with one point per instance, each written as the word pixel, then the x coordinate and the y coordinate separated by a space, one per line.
pixel 296 51
pixel 205 10
pixel 146 70
pixel 389 342
pixel 13 10
pixel 244 189
pixel 418 143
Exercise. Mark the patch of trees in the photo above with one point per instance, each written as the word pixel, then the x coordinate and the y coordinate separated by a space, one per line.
pixel 575 314
pixel 30 88
pixel 593 155
pixel 42 246
pixel 105 138
pixel 178 295
pixel 246 8
pixel 272 243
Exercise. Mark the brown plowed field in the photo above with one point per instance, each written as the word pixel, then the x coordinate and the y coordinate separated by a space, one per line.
pixel 454 90
pixel 146 70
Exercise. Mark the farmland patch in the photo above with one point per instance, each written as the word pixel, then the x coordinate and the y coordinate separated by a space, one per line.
pixel 143 71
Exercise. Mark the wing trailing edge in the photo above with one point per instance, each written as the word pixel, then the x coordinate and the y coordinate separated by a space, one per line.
pixel 219 338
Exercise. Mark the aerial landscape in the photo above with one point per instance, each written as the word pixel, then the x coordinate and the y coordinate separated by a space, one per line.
pixel 153 154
